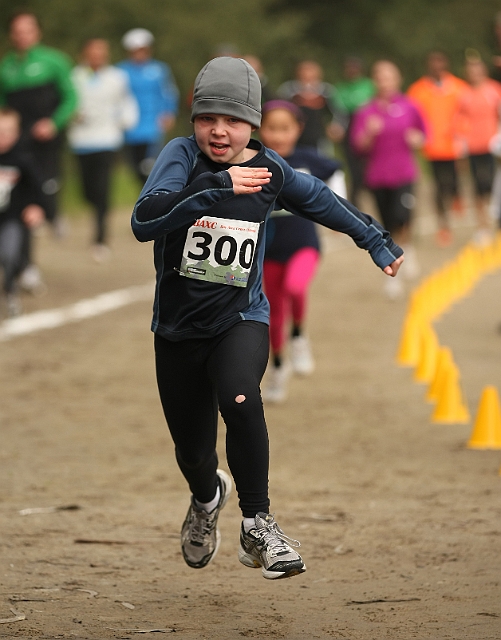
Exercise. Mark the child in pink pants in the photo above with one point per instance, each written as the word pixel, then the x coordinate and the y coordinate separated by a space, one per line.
pixel 292 250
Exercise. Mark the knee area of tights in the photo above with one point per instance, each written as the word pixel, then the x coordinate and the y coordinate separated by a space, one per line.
pixel 237 401
pixel 192 462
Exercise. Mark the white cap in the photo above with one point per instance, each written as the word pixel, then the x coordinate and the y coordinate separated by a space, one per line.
pixel 137 39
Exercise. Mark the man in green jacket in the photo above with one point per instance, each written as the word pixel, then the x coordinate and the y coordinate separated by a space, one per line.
pixel 350 94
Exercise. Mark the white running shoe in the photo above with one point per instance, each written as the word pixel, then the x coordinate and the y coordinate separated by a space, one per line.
pixel 267 546
pixel 275 383
pixel 31 281
pixel 200 537
pixel 301 356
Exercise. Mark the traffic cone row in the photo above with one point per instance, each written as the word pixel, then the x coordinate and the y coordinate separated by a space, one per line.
pixel 455 280
pixel 434 364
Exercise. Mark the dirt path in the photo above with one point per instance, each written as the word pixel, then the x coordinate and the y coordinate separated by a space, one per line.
pixel 400 524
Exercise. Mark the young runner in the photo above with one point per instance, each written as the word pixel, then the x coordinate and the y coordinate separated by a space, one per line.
pixel 205 204
pixel 35 81
pixel 21 202
pixel 292 249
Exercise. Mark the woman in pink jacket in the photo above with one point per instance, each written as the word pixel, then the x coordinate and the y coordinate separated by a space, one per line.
pixel 387 131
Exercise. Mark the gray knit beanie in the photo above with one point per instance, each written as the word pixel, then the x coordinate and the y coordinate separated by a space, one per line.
pixel 230 87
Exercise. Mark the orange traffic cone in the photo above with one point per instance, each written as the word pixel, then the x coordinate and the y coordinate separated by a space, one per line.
pixel 486 433
pixel 410 341
pixel 444 363
pixel 451 407
pixel 427 363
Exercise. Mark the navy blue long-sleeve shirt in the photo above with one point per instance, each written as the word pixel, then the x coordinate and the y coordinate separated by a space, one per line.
pixel 186 186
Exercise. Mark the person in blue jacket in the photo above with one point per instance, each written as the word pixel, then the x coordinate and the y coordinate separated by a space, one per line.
pixel 205 205
pixel 156 92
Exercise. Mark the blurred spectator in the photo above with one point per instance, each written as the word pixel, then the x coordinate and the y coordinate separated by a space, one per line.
pixel 322 120
pixel 35 81
pixel 388 130
pixel 255 63
pixel 21 202
pixel 479 111
pixel 437 96
pixel 107 108
pixel 353 92
pixel 155 90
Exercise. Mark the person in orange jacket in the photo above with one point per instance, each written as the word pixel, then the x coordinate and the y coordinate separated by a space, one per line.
pixel 479 121
pixel 437 96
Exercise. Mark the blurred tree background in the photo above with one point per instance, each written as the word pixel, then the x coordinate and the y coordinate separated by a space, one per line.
pixel 280 32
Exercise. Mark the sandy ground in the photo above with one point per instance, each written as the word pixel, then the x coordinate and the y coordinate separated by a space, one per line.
pixel 400 523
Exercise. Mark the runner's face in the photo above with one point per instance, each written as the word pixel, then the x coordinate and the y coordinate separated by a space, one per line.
pixel 387 79
pixel 9 133
pixel 140 55
pixel 96 53
pixel 437 64
pixel 222 138
pixel 280 131
pixel 24 32
pixel 475 72
pixel 309 73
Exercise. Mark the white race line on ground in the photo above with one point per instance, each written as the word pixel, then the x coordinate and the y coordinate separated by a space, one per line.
pixel 87 308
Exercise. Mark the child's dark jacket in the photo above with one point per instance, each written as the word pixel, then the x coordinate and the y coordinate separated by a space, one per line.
pixel 183 187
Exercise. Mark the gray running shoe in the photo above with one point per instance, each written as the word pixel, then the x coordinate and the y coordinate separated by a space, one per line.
pixel 268 547
pixel 200 537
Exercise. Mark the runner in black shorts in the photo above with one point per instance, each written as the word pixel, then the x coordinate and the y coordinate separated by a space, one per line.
pixel 446 182
pixel 395 206
pixel 479 117
pixel 482 172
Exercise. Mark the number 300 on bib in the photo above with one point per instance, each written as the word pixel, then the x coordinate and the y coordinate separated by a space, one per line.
pixel 220 250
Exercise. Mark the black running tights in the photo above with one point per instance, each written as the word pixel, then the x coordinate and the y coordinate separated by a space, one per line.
pixel 96 172
pixel 196 377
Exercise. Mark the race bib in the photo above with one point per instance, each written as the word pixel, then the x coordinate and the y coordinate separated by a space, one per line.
pixel 220 250
pixel 9 176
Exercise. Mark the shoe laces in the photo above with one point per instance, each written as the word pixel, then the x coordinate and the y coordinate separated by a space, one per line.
pixel 201 525
pixel 274 538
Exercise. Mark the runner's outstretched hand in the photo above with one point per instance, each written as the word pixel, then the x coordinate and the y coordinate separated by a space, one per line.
pixel 392 269
pixel 248 179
